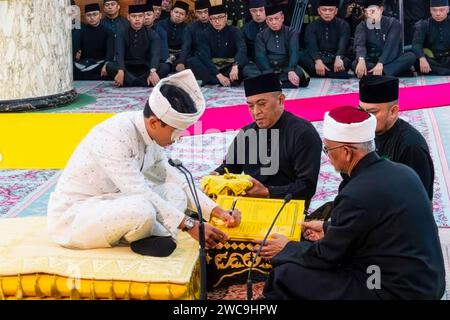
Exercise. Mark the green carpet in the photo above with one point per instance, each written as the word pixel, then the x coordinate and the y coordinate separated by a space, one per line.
pixel 81 101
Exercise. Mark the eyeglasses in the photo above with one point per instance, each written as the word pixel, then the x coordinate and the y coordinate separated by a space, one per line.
pixel 218 18
pixel 326 150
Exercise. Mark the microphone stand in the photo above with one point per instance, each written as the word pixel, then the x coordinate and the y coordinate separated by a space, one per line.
pixel 201 226
pixel 287 199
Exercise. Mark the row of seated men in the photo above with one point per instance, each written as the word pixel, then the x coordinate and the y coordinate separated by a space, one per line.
pixel 381 219
pixel 143 49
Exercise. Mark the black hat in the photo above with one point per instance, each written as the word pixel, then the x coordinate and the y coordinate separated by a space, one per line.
pixel 328 3
pixel 256 4
pixel 438 3
pixel 202 4
pixel 181 5
pixel 154 246
pixel 369 3
pixel 137 8
pixel 91 7
pixel 378 89
pixel 273 10
pixel 268 82
pixel 217 10
pixel 148 6
pixel 157 3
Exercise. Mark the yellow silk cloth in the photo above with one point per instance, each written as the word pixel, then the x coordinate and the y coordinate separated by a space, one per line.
pixel 34 267
pixel 228 184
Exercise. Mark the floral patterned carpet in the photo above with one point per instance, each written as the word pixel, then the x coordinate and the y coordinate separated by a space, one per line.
pixel 25 192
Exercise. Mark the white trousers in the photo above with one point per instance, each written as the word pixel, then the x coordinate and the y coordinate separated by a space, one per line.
pixel 103 221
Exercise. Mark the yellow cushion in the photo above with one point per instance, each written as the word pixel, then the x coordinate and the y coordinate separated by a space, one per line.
pixel 32 266
pixel 228 184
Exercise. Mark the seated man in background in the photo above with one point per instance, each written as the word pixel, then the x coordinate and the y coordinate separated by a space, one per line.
pixel 175 28
pixel 327 41
pixel 363 252
pixel 114 22
pixel 252 28
pixel 139 53
pixel 277 51
pixel 433 34
pixel 222 52
pixel 191 44
pixel 93 48
pixel 378 45
pixel 149 23
pixel 119 187
pixel 279 150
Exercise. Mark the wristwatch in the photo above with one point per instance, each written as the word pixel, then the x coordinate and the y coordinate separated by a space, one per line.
pixel 152 70
pixel 189 223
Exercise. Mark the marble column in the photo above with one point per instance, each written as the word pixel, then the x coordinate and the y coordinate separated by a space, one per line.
pixel 35 54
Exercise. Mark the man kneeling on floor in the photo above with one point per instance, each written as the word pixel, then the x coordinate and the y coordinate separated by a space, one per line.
pixel 119 187
pixel 382 241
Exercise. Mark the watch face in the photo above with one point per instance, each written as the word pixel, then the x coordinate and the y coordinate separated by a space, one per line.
pixel 188 224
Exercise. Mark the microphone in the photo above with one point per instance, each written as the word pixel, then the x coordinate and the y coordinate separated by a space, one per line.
pixel 287 199
pixel 201 227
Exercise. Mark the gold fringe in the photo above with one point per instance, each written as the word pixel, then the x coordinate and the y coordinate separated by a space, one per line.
pixel 54 289
pixel 19 290
pixel 74 294
pixel 37 289
pixel 2 295
pixel 127 294
pixel 112 294
pixel 92 290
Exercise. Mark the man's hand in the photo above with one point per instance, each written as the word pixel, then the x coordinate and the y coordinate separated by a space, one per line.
pixel 361 69
pixel 180 67
pixel 118 80
pixel 104 73
pixel 213 236
pixel 234 73
pixel 313 230
pixel 377 70
pixel 258 190
pixel 224 81
pixel 424 66
pixel 339 65
pixel 293 78
pixel 214 173
pixel 231 218
pixel 273 246
pixel 153 79
pixel 321 68
pixel 78 55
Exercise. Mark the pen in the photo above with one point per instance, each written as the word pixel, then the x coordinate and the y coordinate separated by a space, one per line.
pixel 233 205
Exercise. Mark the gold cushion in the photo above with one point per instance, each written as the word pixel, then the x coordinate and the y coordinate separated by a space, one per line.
pixel 32 266
pixel 228 184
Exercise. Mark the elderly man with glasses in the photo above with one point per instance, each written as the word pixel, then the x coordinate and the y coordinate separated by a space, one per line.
pixel 382 241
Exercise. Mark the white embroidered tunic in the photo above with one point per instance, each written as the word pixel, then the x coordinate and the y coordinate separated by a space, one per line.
pixel 118 185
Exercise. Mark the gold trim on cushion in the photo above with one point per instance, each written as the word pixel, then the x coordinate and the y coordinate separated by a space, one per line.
pixel 32 267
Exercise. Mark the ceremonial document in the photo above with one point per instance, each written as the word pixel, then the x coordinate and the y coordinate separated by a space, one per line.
pixel 257 216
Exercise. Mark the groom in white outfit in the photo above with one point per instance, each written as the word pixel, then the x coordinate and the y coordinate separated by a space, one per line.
pixel 119 187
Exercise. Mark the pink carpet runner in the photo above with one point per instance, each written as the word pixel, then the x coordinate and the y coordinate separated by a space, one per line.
pixel 313 109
